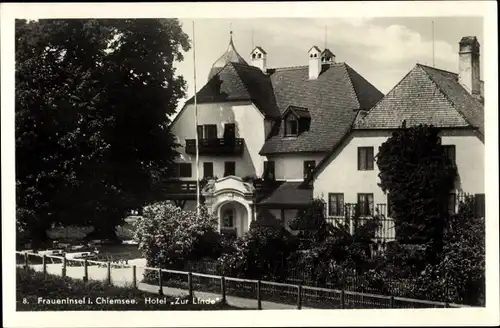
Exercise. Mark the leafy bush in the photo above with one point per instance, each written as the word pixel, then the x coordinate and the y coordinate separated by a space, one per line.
pixel 459 276
pixel 31 286
pixel 169 236
pixel 260 254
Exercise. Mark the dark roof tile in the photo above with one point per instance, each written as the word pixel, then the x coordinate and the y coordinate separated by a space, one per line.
pixel 332 101
pixel 288 193
pixel 236 82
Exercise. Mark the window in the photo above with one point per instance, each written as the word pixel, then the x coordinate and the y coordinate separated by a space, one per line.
pixel 228 218
pixel 365 203
pixel 208 131
pixel 208 169
pixel 449 152
pixel 291 126
pixel 336 204
pixel 229 168
pixel 365 158
pixel 452 204
pixel 229 131
pixel 308 168
pixel 184 170
pixel 269 170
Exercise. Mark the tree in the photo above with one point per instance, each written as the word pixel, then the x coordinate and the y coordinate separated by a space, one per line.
pixel 92 129
pixel 418 176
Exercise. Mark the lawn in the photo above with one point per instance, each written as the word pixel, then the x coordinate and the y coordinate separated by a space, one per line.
pixel 34 291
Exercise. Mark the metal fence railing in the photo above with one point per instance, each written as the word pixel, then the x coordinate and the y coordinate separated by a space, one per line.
pixel 245 293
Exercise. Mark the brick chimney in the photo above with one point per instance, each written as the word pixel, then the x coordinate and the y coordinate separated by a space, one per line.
pixel 468 65
pixel 314 62
pixel 258 58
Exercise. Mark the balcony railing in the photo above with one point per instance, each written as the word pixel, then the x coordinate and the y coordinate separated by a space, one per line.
pixel 180 189
pixel 218 146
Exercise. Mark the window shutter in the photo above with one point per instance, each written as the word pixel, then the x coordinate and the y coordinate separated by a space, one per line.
pixel 369 160
pixel 479 205
pixel 341 204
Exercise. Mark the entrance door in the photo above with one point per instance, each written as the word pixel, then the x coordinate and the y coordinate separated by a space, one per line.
pixel 228 221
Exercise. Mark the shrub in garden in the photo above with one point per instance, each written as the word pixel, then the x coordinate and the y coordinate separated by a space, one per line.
pixel 169 236
pixel 459 276
pixel 260 254
pixel 311 222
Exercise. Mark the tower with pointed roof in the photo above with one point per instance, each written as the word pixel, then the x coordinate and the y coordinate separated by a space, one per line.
pixel 231 55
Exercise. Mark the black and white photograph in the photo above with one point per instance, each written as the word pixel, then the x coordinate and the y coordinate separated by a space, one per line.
pixel 159 159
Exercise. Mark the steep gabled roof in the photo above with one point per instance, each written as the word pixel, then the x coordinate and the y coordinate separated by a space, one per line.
pixel 332 101
pixel 235 82
pixel 426 95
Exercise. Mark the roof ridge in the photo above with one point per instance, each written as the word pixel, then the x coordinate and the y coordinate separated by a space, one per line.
pixel 350 69
pixel 352 86
pixel 381 99
pixel 437 69
pixel 288 68
pixel 448 99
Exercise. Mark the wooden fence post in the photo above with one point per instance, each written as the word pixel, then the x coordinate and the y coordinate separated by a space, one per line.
pixel 299 297
pixel 44 264
pixel 342 299
pixel 392 302
pixel 108 280
pixel 259 301
pixel 63 273
pixel 160 282
pixel 26 261
pixel 223 289
pixel 134 276
pixel 190 287
pixel 85 270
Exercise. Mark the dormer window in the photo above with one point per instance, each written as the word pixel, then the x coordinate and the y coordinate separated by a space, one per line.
pixel 297 120
pixel 291 126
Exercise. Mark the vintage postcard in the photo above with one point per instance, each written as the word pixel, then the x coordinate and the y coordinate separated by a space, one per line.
pixel 229 164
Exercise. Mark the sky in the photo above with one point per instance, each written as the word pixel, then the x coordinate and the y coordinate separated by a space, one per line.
pixel 382 50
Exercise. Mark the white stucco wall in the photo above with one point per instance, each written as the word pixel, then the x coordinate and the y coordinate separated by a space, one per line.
pixel 249 126
pixel 291 166
pixel 341 175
